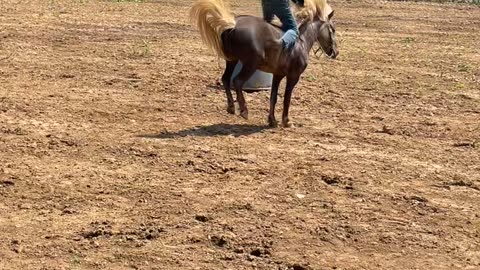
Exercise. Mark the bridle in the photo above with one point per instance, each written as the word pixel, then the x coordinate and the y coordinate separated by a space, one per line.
pixel 316 51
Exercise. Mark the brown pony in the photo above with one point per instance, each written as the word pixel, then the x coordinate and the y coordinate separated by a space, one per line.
pixel 256 44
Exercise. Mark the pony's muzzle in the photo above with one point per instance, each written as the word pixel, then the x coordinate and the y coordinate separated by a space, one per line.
pixel 335 54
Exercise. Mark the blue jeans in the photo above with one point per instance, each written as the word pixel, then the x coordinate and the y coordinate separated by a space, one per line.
pixel 281 9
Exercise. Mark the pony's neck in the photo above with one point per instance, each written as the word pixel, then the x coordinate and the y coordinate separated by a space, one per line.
pixel 309 34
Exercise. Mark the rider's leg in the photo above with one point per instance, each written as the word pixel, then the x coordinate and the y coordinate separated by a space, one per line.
pixel 289 26
pixel 267 9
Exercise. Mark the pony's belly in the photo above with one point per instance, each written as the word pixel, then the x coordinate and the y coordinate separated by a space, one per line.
pixel 274 66
pixel 268 69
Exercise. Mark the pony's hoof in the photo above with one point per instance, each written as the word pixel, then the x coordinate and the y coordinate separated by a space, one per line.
pixel 244 114
pixel 231 109
pixel 287 124
pixel 272 123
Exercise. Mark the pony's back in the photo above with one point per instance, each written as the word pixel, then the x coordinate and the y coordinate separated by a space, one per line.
pixel 251 36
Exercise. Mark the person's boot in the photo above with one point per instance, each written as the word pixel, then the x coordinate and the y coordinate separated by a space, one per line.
pixel 289 39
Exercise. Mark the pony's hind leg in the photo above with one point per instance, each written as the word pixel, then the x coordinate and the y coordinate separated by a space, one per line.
pixel 247 71
pixel 227 75
pixel 291 82
pixel 272 122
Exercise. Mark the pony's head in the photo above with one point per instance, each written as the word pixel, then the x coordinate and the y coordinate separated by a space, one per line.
pixel 320 10
pixel 327 37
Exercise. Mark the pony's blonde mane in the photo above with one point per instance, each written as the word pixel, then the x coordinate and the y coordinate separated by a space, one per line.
pixel 212 17
pixel 314 8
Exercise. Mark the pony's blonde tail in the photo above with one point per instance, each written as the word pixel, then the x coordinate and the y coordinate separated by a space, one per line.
pixel 212 18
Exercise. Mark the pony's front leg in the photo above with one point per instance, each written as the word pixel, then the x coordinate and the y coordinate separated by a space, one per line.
pixel 227 75
pixel 272 122
pixel 242 77
pixel 291 82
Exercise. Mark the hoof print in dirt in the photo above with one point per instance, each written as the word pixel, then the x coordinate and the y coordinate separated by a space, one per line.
pixel 151 233
pixel 96 233
pixel 13 131
pixel 218 241
pixel 461 183
pixel 386 130
pixel 297 266
pixel 466 144
pixel 260 252
pixel 331 180
pixel 98 230
pixel 145 232
pixel 228 257
pixel 335 179
pixel 202 218
pixel 195 239
pixel 238 250
pixel 415 198
pixel 7 183
pixel 15 246
pixel 68 211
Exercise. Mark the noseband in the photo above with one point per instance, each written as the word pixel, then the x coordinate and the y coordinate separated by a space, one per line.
pixel 316 51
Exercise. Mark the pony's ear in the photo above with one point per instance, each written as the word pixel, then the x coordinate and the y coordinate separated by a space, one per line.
pixel 330 15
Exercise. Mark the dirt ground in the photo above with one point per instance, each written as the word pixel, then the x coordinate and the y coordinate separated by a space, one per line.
pixel 116 150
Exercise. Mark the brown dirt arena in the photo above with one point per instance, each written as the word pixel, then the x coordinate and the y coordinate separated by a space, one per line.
pixel 116 151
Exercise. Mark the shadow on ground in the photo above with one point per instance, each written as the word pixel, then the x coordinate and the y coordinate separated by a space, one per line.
pixel 209 131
